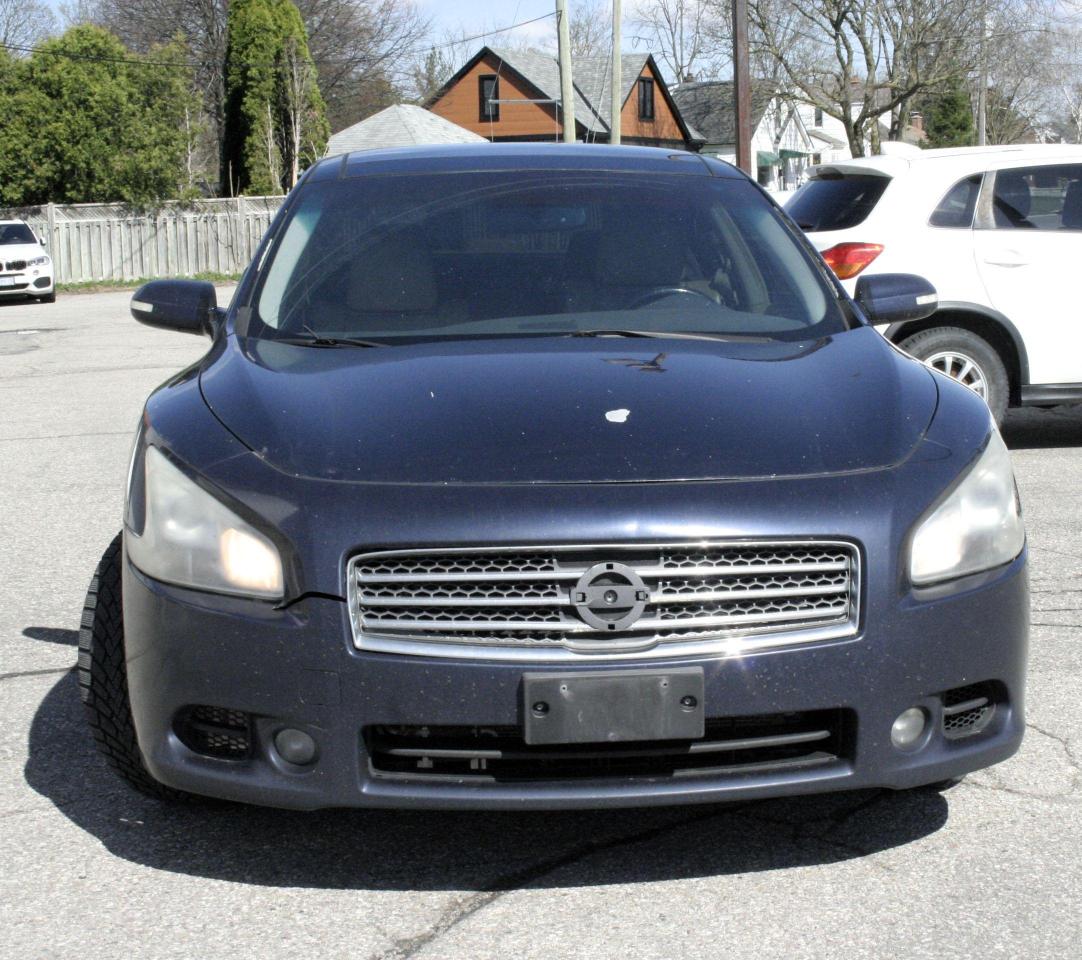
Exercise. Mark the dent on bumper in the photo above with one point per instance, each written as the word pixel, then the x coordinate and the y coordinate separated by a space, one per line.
pixel 298 668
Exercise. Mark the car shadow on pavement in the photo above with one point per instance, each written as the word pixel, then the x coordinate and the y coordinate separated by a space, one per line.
pixel 1034 428
pixel 437 850
pixel 67 638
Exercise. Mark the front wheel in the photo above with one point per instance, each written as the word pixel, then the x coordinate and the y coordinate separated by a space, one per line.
pixel 967 358
pixel 48 298
pixel 103 679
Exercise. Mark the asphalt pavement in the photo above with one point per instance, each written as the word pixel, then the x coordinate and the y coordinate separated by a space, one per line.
pixel 88 868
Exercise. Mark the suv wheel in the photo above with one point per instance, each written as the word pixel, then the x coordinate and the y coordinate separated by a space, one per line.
pixel 967 358
pixel 103 680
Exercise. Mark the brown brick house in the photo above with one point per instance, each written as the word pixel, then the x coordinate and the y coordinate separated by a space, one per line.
pixel 504 95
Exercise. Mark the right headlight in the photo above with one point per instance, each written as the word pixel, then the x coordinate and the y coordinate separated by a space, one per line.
pixel 977 527
pixel 191 538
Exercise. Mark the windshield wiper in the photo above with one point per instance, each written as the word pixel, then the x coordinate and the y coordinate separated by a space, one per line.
pixel 671 335
pixel 318 340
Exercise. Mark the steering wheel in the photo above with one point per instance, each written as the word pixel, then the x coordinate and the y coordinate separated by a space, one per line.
pixel 652 296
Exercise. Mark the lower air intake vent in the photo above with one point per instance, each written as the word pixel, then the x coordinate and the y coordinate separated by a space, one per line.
pixel 732 745
pixel 968 710
pixel 215 732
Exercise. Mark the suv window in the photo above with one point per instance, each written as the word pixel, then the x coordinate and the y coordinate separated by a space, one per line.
pixel 956 208
pixel 12 233
pixel 834 201
pixel 1039 198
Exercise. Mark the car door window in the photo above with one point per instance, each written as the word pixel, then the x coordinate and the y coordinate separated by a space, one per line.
pixel 1038 198
pixel 956 208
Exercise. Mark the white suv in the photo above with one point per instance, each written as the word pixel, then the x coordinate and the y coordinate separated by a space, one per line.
pixel 997 231
pixel 26 270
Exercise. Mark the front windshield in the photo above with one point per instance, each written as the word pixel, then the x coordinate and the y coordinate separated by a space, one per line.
pixel 12 233
pixel 395 258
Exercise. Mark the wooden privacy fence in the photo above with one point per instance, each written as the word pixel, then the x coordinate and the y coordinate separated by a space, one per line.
pixel 111 241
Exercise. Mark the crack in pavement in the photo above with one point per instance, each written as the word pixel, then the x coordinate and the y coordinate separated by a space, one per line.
pixel 1069 796
pixel 74 436
pixel 1041 623
pixel 992 782
pixel 800 830
pixel 1064 742
pixel 463 909
pixel 34 673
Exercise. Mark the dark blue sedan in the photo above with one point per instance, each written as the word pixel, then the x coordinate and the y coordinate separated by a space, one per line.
pixel 536 476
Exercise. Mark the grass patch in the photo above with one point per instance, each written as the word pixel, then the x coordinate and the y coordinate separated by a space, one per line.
pixel 105 286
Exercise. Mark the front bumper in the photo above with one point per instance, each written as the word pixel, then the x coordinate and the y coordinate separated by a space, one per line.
pixel 298 668
pixel 30 283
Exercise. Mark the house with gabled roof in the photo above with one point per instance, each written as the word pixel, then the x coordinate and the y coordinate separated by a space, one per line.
pixel 512 95
pixel 781 148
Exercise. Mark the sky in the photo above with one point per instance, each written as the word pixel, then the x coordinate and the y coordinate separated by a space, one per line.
pixel 476 16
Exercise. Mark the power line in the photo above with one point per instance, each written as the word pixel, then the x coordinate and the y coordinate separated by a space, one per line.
pixel 341 61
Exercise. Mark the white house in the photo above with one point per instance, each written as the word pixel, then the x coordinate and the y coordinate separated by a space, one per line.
pixel 781 147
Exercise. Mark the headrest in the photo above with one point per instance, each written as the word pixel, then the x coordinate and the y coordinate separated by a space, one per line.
pixel 1012 199
pixel 581 257
pixel 1071 218
pixel 395 275
pixel 639 255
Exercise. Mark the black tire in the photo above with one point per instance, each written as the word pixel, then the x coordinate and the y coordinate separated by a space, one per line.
pixel 963 343
pixel 103 681
pixel 48 298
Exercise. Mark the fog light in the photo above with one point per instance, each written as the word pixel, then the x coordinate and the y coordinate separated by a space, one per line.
pixel 908 728
pixel 295 746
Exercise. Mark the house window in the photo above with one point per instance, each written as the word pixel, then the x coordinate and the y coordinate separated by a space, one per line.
pixel 818 116
pixel 489 96
pixel 646 99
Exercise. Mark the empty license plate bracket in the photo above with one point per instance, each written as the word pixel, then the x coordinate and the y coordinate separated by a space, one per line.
pixel 613 706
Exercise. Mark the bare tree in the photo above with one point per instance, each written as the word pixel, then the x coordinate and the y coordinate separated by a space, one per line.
pixel 365 52
pixel 25 23
pixel 591 29
pixel 685 35
pixel 858 60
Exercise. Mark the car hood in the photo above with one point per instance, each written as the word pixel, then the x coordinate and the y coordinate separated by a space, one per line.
pixel 555 410
pixel 21 251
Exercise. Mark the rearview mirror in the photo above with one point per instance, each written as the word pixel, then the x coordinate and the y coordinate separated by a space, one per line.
pixel 895 297
pixel 184 305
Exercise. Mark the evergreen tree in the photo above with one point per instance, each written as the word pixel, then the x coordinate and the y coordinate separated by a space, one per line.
pixel 88 121
pixel 948 118
pixel 274 115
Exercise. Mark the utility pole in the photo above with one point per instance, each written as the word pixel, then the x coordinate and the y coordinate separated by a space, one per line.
pixel 742 86
pixel 982 91
pixel 567 89
pixel 617 73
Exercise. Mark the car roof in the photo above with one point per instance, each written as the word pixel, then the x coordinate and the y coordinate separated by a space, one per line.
pixel 954 159
pixel 477 157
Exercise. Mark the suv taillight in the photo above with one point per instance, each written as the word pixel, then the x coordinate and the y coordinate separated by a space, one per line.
pixel 848 259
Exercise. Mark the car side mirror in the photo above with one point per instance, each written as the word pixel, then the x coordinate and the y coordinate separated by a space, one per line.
pixel 895 298
pixel 185 305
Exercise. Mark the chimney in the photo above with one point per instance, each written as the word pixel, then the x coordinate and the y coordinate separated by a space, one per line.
pixel 916 121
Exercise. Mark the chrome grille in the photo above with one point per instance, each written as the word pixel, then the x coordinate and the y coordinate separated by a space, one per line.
pixel 520 603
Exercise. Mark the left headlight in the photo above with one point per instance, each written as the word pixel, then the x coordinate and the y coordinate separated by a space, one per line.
pixel 977 527
pixel 190 538
pixel 38 262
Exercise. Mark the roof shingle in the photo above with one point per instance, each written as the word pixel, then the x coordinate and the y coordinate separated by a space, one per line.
pixel 400 125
